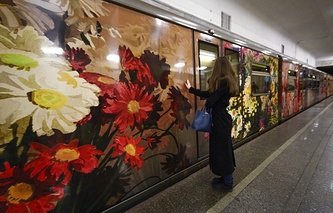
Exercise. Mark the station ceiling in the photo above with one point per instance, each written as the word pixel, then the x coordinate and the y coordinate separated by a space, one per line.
pixel 309 23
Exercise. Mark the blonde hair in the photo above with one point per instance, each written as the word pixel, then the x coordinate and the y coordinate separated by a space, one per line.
pixel 223 71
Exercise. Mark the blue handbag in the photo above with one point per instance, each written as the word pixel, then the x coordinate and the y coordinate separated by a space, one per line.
pixel 202 120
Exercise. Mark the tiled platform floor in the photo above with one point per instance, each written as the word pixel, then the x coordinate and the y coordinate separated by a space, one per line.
pixel 287 169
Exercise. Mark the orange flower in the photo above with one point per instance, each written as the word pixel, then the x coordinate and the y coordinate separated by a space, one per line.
pixel 61 159
pixel 129 146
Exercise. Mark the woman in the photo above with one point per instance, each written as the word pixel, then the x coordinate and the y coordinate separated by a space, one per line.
pixel 222 85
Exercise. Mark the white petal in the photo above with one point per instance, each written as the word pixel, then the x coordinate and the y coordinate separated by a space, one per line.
pixel 13 109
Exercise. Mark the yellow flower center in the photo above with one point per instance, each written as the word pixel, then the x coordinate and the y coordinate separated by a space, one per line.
pixel 19 192
pixel 133 106
pixel 18 60
pixel 48 99
pixel 106 80
pixel 130 149
pixel 67 155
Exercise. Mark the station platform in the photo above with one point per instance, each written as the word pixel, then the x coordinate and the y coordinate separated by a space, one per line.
pixel 287 169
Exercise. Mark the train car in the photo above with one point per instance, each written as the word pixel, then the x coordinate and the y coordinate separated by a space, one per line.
pixel 301 87
pixel 94 112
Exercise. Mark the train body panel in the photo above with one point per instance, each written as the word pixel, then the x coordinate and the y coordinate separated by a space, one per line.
pixel 105 123
pixel 291 95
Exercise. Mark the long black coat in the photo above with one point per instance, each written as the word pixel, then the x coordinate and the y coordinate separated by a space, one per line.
pixel 221 153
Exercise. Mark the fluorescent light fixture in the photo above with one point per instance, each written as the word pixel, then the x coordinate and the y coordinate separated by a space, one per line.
pixel 235 46
pixel 179 64
pixel 266 52
pixel 185 22
pixel 113 58
pixel 53 50
pixel 207 54
pixel 159 22
pixel 240 42
pixel 162 16
pixel 205 36
pixel 202 68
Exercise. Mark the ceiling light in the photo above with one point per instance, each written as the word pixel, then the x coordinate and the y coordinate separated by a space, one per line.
pixel 113 58
pixel 159 22
pixel 52 50
pixel 240 42
pixel 235 46
pixel 179 64
pixel 266 52
pixel 207 53
pixel 202 68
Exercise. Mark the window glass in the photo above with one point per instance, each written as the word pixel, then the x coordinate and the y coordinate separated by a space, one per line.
pixel 302 79
pixel 261 79
pixel 233 57
pixel 207 55
pixel 291 80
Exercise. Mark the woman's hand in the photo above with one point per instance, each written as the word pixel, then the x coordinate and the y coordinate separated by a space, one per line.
pixel 188 84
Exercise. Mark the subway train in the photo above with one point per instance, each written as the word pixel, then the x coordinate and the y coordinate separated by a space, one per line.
pixel 95 116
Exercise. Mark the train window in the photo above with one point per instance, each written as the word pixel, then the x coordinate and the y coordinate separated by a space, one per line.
pixel 207 54
pixel 302 79
pixel 312 82
pixel 261 79
pixel 308 83
pixel 315 82
pixel 233 57
pixel 291 80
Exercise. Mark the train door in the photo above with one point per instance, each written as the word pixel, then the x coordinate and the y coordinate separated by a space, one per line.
pixel 235 108
pixel 207 49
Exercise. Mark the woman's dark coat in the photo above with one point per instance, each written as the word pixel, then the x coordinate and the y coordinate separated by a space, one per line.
pixel 221 154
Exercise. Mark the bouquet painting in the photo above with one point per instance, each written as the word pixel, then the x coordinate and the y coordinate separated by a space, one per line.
pixel 80 132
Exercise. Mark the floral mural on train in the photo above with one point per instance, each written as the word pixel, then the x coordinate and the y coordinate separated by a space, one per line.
pixel 260 110
pixel 93 105
pixel 79 133
pixel 253 113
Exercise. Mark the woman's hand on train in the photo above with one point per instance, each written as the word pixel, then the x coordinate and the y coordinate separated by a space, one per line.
pixel 188 84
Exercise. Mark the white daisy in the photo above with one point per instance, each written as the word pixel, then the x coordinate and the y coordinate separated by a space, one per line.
pixel 17 13
pixel 81 9
pixel 53 100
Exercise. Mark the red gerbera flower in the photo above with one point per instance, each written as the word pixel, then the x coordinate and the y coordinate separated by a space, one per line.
pixel 130 104
pixel 135 65
pixel 105 83
pixel 159 69
pixel 19 193
pixel 58 161
pixel 180 107
pixel 153 140
pixel 77 57
pixel 129 146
